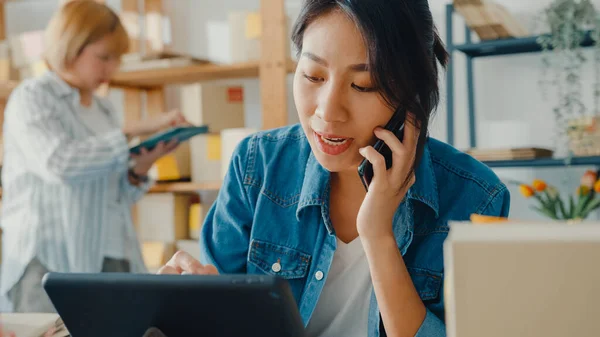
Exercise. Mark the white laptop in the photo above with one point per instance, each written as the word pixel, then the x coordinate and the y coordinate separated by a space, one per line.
pixel 520 279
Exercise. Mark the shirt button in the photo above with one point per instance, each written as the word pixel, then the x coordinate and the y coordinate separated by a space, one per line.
pixel 276 267
pixel 319 275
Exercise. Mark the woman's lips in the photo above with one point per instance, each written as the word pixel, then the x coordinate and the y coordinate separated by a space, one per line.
pixel 332 144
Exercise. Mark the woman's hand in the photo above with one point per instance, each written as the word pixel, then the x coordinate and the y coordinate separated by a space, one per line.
pixel 145 159
pixel 5 333
pixel 387 188
pixel 183 263
pixel 155 124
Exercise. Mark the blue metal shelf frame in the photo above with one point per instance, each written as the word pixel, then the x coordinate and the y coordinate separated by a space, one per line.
pixel 494 48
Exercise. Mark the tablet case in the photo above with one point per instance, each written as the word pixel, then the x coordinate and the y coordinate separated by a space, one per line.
pixel 181 134
pixel 132 305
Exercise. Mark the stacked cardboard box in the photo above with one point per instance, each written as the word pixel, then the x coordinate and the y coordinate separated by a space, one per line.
pixel 489 20
pixel 236 39
pixel 162 220
pixel 26 51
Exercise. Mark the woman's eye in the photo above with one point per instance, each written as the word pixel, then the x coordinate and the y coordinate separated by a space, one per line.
pixel 362 89
pixel 313 79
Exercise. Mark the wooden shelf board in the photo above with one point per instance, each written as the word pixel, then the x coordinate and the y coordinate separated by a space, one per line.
pixel 153 78
pixel 189 74
pixel 184 187
pixel 6 87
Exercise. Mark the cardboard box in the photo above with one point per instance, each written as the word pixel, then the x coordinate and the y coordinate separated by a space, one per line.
pixel 27 48
pixel 174 166
pixel 191 247
pixel 205 151
pixel 218 106
pixel 199 211
pixel 163 217
pixel 7 70
pixel 230 140
pixel 157 254
pixel 238 39
pixel 33 70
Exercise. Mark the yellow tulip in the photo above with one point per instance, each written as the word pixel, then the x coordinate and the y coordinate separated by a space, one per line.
pixel 526 191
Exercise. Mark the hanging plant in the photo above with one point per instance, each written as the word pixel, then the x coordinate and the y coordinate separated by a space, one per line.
pixel 570 23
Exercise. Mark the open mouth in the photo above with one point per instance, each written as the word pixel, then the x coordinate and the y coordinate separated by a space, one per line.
pixel 332 144
pixel 335 141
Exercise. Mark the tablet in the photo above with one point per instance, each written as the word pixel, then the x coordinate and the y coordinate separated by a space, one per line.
pixel 181 134
pixel 144 305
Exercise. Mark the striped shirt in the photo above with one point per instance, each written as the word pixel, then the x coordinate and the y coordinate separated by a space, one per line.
pixel 55 181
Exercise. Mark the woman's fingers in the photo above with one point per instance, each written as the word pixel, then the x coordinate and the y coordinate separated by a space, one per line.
pixel 168 270
pixel 185 262
pixel 377 160
pixel 411 132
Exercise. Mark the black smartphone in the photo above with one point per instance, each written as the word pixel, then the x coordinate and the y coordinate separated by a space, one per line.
pixel 395 125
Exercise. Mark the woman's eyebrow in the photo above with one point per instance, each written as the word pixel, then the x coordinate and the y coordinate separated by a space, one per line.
pixel 359 67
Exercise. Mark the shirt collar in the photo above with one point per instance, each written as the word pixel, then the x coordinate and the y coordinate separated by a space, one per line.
pixel 60 87
pixel 316 184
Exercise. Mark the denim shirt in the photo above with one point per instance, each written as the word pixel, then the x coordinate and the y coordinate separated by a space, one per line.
pixel 273 207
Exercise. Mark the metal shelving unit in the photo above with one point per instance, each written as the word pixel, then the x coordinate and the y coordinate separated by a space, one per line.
pixel 488 49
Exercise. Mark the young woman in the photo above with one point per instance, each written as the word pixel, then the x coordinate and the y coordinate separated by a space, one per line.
pixel 67 181
pixel 359 263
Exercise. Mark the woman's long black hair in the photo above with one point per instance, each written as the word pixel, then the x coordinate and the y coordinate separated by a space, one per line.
pixel 403 51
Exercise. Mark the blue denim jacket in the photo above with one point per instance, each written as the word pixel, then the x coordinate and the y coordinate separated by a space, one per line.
pixel 274 207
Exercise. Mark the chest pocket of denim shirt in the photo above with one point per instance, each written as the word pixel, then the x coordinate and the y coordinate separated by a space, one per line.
pixel 427 282
pixel 272 259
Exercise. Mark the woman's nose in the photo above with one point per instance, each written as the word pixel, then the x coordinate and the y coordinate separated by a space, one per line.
pixel 331 107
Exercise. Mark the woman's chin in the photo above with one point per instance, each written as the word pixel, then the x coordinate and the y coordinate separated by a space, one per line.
pixel 336 164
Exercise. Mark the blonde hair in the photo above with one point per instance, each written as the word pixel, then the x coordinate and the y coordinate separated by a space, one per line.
pixel 77 24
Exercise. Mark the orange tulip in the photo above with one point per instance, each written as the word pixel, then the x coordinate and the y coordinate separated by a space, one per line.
pixel 526 191
pixel 589 178
pixel 539 185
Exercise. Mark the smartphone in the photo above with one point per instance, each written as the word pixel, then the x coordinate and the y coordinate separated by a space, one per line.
pixel 395 125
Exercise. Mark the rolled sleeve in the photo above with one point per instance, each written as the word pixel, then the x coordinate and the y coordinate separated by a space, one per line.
pixel 432 326
pixel 134 193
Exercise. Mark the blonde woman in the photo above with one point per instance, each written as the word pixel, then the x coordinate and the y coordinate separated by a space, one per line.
pixel 68 178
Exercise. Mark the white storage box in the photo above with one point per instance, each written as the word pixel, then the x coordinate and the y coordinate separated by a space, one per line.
pixel 163 217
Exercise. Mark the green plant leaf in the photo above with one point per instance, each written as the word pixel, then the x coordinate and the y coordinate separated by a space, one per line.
pixel 581 204
pixel 544 211
pixel 594 204
pixel 571 207
pixel 563 210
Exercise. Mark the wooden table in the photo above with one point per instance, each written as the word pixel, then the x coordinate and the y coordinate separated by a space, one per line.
pixel 33 325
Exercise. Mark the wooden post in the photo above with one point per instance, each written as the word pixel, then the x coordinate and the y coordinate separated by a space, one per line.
pixel 273 64
pixel 2 22
pixel 155 102
pixel 130 16
pixel 133 105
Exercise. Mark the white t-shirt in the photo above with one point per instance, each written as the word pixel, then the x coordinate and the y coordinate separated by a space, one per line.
pixel 99 122
pixel 343 307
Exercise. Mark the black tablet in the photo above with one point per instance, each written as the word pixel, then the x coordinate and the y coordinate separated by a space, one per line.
pixel 146 305
pixel 181 134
